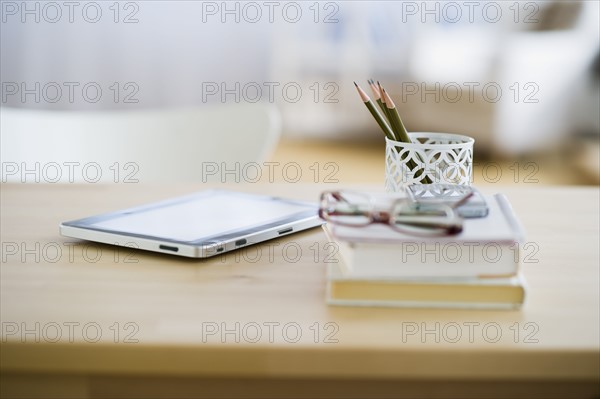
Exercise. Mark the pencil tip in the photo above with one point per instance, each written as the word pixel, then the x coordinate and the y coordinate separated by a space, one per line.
pixel 388 100
pixel 362 94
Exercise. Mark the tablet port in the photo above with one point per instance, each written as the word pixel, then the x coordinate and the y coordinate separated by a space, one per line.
pixel 285 231
pixel 168 248
pixel 240 242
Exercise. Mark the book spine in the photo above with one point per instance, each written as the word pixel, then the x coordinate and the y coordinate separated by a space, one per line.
pixel 423 305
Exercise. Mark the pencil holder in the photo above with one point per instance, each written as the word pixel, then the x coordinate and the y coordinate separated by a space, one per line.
pixel 430 158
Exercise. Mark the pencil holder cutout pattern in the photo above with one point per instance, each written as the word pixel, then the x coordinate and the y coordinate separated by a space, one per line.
pixel 442 157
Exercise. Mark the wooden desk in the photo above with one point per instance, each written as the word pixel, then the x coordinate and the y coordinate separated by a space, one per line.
pixel 174 320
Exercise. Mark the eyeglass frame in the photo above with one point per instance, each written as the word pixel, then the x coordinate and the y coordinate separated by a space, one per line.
pixel 385 217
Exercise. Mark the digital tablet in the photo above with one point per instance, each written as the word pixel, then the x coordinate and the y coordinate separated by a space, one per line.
pixel 198 225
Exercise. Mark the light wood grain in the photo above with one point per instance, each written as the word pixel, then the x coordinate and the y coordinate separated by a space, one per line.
pixel 171 302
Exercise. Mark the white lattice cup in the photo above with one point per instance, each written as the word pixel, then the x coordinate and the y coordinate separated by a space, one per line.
pixel 442 157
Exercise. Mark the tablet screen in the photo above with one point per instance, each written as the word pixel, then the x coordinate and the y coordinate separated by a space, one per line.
pixel 210 214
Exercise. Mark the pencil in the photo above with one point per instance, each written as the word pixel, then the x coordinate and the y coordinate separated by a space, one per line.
pixel 378 118
pixel 377 96
pixel 385 108
pixel 400 130
pixel 394 116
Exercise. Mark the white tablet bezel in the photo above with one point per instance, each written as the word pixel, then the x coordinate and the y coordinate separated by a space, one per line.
pixel 202 247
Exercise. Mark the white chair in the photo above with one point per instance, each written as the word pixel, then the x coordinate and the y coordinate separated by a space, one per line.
pixel 193 144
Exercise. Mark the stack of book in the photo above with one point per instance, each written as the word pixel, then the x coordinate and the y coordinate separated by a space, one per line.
pixel 478 268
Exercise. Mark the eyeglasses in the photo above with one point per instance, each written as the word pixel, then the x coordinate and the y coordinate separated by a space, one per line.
pixel 355 209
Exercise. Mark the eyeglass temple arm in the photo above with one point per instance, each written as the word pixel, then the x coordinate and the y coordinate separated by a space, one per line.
pixel 462 201
pixel 339 197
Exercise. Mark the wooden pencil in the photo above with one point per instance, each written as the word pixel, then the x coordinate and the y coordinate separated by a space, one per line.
pixel 394 116
pixel 385 108
pixel 377 96
pixel 378 118
pixel 401 133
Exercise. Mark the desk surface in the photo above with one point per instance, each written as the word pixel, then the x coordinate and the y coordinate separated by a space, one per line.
pixel 172 316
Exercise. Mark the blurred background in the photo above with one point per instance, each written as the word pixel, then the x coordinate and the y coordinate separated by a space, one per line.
pixel 522 78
